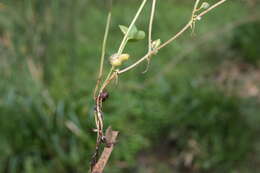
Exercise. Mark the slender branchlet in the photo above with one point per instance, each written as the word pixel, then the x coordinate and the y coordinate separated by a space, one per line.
pixel 150 29
pixel 103 53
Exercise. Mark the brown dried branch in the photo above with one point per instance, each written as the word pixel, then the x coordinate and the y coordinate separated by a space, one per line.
pixel 110 141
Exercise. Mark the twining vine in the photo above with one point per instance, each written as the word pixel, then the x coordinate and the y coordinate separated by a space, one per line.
pixel 132 33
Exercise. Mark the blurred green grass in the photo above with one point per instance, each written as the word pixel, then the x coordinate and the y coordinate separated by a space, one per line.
pixel 49 60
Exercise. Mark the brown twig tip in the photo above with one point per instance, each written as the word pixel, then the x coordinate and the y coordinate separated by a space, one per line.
pixel 110 142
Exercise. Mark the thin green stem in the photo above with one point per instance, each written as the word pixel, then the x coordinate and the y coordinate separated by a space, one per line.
pixel 195 7
pixel 104 44
pixel 125 39
pixel 102 58
pixel 150 29
pixel 193 16
pixel 151 26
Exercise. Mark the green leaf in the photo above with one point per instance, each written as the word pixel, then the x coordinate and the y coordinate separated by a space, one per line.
pixel 140 35
pixel 123 29
pixel 131 33
pixel 134 34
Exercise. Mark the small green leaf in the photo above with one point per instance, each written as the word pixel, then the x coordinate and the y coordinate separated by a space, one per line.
pixel 140 35
pixel 123 29
pixel 131 33
pixel 134 34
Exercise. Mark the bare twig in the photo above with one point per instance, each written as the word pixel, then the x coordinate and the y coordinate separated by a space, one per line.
pixel 110 139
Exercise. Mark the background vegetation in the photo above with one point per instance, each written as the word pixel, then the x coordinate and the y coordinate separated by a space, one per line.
pixel 196 110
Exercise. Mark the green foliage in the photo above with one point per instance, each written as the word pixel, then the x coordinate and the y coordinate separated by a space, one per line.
pixel 245 41
pixel 134 33
pixel 49 60
pixel 36 135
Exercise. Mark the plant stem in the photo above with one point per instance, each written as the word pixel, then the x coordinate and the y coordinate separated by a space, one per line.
pixel 151 26
pixel 150 34
pixel 125 39
pixel 185 28
pixel 107 79
pixel 211 8
pixel 103 53
pixel 114 74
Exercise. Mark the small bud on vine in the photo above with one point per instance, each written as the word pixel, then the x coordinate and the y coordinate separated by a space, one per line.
pixel 204 5
pixel 124 57
pixel 156 43
pixel 117 60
